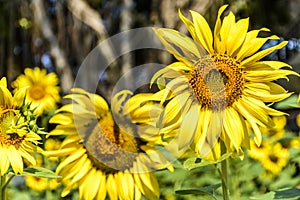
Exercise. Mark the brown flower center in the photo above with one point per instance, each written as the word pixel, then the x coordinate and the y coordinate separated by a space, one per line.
pixel 217 81
pixel 8 121
pixel 37 92
pixel 273 158
pixel 110 148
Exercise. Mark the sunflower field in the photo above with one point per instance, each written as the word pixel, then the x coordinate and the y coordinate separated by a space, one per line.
pixel 148 99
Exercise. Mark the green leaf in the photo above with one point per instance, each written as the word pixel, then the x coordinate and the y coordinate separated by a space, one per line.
pixel 207 191
pixel 192 163
pixel 287 193
pixel 289 103
pixel 39 172
pixel 267 196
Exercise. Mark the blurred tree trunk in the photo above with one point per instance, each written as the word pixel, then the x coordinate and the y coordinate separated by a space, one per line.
pixel 127 59
pixel 61 62
pixel 85 13
pixel 12 69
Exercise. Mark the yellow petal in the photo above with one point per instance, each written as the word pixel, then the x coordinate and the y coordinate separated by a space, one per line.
pixel 78 153
pixel 201 132
pixel 273 64
pixel 98 101
pixel 102 188
pixel 237 36
pixel 188 23
pixel 257 134
pixel 83 171
pixel 261 54
pixel 233 127
pixel 61 119
pixel 5 97
pixel 203 33
pixel 26 156
pixel 130 184
pixel 74 108
pixel 61 152
pixel 111 187
pixel 93 184
pixel 228 23
pixel 253 44
pixel 173 70
pixel 188 127
pixel 3 82
pixel 268 75
pixel 137 192
pixel 15 159
pixel 4 164
pixel 173 110
pixel 218 43
pixel 76 167
pixel 266 97
pixel 181 46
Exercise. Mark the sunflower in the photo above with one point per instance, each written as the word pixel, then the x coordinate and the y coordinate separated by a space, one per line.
pixel 102 155
pixel 42 88
pixel 278 130
pixel 298 120
pixel 273 157
pixel 18 131
pixel 39 183
pixel 220 85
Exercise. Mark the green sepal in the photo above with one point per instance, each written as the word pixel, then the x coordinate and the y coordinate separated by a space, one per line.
pixel 195 162
pixel 39 172
pixel 207 191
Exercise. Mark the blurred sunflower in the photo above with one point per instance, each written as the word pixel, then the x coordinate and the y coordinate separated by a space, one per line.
pixel 258 153
pixel 42 88
pixel 219 86
pixel 298 120
pixel 273 157
pixel 101 156
pixel 278 130
pixel 18 131
pixel 39 183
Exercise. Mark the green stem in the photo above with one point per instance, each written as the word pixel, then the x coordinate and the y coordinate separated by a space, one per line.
pixel 2 188
pixel 224 174
pixel 3 185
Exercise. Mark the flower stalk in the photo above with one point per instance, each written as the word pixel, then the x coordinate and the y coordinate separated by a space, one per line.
pixel 224 173
pixel 3 188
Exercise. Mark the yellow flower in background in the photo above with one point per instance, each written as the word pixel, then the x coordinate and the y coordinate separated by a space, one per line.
pixel 102 155
pixel 39 183
pixel 52 144
pixel 220 85
pixel 258 153
pixel 278 130
pixel 42 88
pixel 298 120
pixel 273 157
pixel 18 138
pixel 295 142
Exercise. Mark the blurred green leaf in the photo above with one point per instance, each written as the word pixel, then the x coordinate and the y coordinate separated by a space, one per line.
pixel 207 191
pixel 289 103
pixel 192 163
pixel 287 194
pixel 268 196
pixel 39 172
